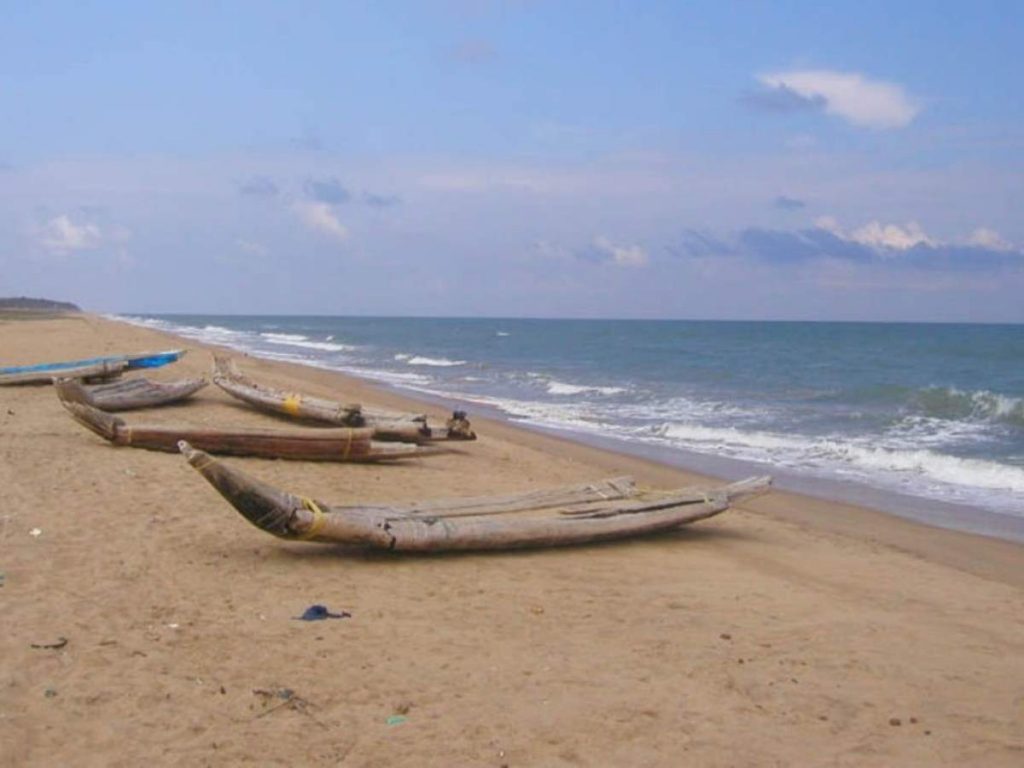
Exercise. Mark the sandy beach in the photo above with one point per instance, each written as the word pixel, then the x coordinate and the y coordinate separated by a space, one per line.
pixel 788 631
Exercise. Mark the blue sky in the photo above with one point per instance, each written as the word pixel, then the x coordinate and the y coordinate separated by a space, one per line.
pixel 710 160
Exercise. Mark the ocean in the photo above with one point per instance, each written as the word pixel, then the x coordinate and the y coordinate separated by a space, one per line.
pixel 921 420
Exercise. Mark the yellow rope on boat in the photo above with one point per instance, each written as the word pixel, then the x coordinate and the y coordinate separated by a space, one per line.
pixel 318 519
pixel 291 404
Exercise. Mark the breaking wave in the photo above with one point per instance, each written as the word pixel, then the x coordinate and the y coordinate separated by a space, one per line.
pixel 298 340
pixel 979 405
pixel 561 388
pixel 437 362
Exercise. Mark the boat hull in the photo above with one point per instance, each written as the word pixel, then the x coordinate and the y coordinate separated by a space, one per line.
pixel 565 518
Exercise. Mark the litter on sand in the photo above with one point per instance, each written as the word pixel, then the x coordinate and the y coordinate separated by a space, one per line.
pixel 319 613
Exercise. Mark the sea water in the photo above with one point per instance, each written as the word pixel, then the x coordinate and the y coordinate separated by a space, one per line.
pixel 925 420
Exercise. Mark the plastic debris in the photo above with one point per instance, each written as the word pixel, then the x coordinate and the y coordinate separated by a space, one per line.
pixel 319 613
pixel 36 532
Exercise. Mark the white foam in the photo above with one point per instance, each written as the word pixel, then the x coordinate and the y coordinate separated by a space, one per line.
pixel 954 470
pixel 438 362
pixel 298 340
pixel 283 337
pixel 561 388
pixel 391 377
pixel 913 432
pixel 868 458
pixel 727 437
pixel 982 404
pixel 502 333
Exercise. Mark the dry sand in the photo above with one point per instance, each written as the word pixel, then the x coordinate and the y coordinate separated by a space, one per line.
pixel 788 632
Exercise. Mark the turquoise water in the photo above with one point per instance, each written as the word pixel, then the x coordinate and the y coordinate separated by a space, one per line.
pixel 934 413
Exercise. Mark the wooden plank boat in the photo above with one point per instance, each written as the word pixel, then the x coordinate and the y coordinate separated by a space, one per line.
pixel 129 394
pixel 311 444
pixel 92 368
pixel 387 425
pixel 612 509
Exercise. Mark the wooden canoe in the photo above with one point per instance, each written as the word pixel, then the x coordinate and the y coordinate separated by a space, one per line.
pixel 92 368
pixel 612 509
pixel 87 372
pixel 387 425
pixel 310 444
pixel 128 395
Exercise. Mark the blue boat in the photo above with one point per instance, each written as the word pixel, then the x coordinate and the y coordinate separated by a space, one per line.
pixel 101 367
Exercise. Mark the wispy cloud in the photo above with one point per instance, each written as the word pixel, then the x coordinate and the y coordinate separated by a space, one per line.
pixel 601 250
pixel 849 95
pixel 782 99
pixel 878 235
pixel 327 191
pixel 251 247
pixel 259 186
pixel 320 217
pixel 62 235
pixel 983 237
pixel 898 246
pixel 789 203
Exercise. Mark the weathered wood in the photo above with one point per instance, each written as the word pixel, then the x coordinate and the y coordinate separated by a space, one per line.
pixel 585 493
pixel 387 425
pixel 354 445
pixel 404 528
pixel 129 394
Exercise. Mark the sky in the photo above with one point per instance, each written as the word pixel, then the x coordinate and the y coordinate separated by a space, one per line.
pixel 717 160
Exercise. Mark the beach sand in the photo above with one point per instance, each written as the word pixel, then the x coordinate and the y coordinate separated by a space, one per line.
pixel 789 631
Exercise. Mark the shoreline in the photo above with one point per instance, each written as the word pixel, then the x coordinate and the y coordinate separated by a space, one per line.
pixel 955 514
pixel 980 553
pixel 825 633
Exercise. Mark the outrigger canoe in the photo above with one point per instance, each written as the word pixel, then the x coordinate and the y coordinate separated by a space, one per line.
pixel 387 425
pixel 312 444
pixel 611 509
pixel 91 368
pixel 128 395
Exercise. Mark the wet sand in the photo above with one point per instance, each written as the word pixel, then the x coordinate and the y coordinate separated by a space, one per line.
pixel 789 631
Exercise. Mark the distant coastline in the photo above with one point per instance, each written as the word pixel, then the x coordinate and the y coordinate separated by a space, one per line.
pixel 25 304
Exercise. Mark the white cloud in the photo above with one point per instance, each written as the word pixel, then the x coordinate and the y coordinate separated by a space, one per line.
pixel 895 237
pixel 319 217
pixel 849 95
pixel 61 235
pixel 621 255
pixel 892 236
pixel 983 237
pixel 878 235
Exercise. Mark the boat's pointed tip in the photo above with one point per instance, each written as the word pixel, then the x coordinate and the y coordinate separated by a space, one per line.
pixel 190 453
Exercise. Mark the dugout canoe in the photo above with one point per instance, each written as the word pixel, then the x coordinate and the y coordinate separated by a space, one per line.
pixel 91 368
pixel 354 445
pixel 387 425
pixel 611 509
pixel 128 395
